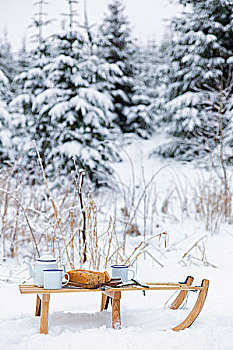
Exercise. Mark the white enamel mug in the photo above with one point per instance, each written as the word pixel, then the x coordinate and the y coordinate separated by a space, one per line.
pixel 121 271
pixel 53 278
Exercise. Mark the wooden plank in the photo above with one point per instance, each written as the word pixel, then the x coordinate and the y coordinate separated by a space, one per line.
pixel 109 293
pixel 113 294
pixel 44 314
pixel 53 291
pixel 196 309
pixel 182 287
pixel 163 284
pixel 38 290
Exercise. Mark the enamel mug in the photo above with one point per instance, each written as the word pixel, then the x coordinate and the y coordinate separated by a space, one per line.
pixel 53 278
pixel 121 271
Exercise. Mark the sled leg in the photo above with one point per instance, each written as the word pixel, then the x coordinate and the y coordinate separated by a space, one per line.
pixel 116 310
pixel 196 309
pixel 104 300
pixel 44 313
pixel 38 306
pixel 182 295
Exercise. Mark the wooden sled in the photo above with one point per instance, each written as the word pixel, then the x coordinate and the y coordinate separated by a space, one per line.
pixel 184 288
pixel 114 294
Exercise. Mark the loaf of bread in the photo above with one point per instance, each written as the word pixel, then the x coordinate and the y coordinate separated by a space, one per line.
pixel 88 277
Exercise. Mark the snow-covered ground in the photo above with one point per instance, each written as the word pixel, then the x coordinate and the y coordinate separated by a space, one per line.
pixel 75 321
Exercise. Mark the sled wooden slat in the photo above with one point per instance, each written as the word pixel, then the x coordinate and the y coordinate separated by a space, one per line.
pixel 34 289
pixel 163 284
pixel 43 298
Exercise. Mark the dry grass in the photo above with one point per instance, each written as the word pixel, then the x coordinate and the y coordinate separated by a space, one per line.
pixel 212 204
pixel 196 254
pixel 37 219
pixel 41 218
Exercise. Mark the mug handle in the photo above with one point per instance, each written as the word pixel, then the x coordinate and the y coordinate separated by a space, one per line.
pixel 132 271
pixel 68 278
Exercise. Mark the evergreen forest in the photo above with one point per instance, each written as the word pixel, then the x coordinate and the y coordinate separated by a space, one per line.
pixel 73 96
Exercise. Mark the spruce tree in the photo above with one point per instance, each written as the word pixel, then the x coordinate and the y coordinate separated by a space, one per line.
pixel 196 58
pixel 24 58
pixel 68 112
pixel 7 72
pixel 5 134
pixel 40 21
pixel 146 89
pixel 117 46
pixel 7 59
pixel 27 84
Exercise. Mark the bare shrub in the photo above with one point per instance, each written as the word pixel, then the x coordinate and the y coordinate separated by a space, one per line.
pixel 37 219
pixel 210 197
pixel 196 254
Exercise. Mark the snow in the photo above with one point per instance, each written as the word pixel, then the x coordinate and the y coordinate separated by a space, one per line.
pixel 75 321
pixel 186 99
pixel 3 79
pixel 59 109
pixel 95 98
pixel 230 60
pixel 31 74
pixel 48 96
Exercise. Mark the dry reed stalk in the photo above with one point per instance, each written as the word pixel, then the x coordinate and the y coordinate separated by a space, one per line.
pixel 58 218
pixel 25 215
pixel 194 245
pixel 91 216
pixel 145 205
pixel 109 244
pixel 210 203
pixel 4 220
pixel 200 246
pixel 13 245
pixel 141 248
pixel 79 186
pixel 153 258
pixel 72 234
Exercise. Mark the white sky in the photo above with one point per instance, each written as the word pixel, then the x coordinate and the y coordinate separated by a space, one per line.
pixel 146 16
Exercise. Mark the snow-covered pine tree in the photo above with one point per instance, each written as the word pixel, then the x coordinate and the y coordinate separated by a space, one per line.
pixel 5 135
pixel 117 46
pixel 145 96
pixel 7 60
pixel 147 62
pixel 68 112
pixel 24 58
pixel 27 84
pixel 199 53
pixel 217 134
pixel 40 21
pixel 7 73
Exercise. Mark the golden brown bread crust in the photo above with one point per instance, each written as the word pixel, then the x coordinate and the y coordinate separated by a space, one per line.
pixel 107 277
pixel 88 277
